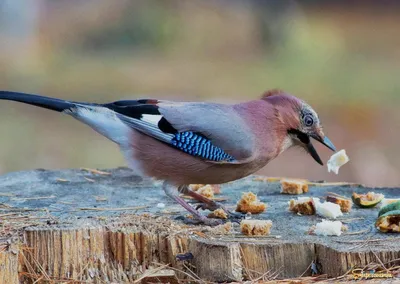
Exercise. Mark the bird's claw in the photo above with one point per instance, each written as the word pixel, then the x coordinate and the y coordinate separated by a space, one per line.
pixel 206 206
pixel 232 216
pixel 212 206
pixel 235 217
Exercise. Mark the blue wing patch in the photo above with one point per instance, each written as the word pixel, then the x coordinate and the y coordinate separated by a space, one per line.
pixel 200 146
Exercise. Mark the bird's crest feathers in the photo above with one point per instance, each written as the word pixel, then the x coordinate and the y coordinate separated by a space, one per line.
pixel 272 92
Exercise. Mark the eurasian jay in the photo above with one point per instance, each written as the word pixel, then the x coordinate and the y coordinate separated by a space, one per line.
pixel 185 143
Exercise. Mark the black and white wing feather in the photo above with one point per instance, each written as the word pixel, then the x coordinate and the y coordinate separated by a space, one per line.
pixel 145 116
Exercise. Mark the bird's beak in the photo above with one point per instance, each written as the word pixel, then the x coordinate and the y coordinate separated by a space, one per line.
pixel 313 153
pixel 325 141
pixel 306 143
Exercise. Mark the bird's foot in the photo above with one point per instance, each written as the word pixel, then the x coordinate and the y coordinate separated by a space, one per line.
pixel 232 216
pixel 235 217
pixel 211 206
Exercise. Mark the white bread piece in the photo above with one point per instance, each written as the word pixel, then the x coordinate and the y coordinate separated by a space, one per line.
pixel 328 210
pixel 328 228
pixel 337 160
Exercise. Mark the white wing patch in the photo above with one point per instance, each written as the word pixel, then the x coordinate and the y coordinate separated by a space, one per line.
pixel 104 121
pixel 151 118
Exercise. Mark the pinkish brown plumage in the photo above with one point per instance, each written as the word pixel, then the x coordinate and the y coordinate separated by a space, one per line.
pixel 191 142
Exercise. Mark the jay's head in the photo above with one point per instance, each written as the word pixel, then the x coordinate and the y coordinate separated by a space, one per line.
pixel 299 122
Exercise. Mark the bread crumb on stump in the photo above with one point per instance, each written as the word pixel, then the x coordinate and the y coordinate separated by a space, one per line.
pixel 206 191
pixel 223 229
pixel 216 188
pixel 344 203
pixel 293 186
pixel 219 213
pixel 328 210
pixel 249 203
pixel 304 206
pixel 328 228
pixel 255 227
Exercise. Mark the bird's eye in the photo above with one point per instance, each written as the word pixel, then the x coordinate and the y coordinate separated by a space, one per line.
pixel 308 120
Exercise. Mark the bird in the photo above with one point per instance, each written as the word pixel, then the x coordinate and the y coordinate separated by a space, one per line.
pixel 183 143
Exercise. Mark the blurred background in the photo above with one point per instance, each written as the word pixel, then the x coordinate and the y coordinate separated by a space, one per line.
pixel 342 57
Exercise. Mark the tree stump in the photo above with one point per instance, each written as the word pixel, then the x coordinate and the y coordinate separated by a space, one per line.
pixel 108 226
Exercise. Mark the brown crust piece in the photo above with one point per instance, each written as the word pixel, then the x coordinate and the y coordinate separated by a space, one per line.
pixel 206 191
pixel 344 203
pixel 249 203
pixel 215 187
pixel 293 186
pixel 302 207
pixel 219 214
pixel 255 227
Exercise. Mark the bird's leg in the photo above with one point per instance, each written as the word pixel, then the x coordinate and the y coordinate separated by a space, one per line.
pixel 171 192
pixel 209 203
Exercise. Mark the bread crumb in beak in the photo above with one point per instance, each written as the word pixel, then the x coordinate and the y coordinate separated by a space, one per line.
pixel 337 160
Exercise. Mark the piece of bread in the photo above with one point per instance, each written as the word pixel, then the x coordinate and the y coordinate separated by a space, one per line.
pixel 218 213
pixel 294 186
pixel 328 228
pixel 249 203
pixel 215 187
pixel 337 160
pixel 255 227
pixel 304 206
pixel 344 203
pixel 196 187
pixel 328 210
pixel 206 191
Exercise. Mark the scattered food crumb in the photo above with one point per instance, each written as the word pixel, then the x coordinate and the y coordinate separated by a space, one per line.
pixel 249 203
pixel 294 186
pixel 344 203
pixel 256 227
pixel 328 228
pixel 196 187
pixel 216 188
pixel 337 160
pixel 328 210
pixel 304 206
pixel 206 191
pixel 223 229
pixel 219 213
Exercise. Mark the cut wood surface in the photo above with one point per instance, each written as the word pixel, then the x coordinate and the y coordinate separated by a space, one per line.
pixel 109 226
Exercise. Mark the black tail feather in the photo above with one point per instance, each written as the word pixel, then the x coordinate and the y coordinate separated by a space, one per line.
pixel 36 100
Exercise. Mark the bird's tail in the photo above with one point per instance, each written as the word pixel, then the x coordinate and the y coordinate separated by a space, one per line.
pixel 98 117
pixel 36 100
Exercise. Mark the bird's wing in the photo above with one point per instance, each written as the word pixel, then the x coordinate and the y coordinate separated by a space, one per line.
pixel 212 132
